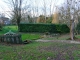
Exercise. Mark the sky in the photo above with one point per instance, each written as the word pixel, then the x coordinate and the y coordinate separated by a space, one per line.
pixel 5 9
pixel 3 6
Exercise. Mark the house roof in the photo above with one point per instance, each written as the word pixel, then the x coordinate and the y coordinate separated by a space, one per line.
pixel 4 18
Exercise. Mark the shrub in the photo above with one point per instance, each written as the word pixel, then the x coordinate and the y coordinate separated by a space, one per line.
pixel 62 28
pixel 52 28
pixel 0 27
pixel 78 28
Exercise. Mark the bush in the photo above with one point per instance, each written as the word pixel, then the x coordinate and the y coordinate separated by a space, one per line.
pixel 0 27
pixel 62 28
pixel 78 28
pixel 52 28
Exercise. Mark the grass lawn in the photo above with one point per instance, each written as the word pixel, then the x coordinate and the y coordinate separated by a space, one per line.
pixel 61 37
pixel 78 36
pixel 40 51
pixel 12 28
pixel 7 28
pixel 30 36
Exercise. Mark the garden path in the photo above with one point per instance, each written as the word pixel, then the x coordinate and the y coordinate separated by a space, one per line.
pixel 64 41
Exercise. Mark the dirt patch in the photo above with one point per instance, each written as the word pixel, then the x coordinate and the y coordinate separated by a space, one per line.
pixel 62 51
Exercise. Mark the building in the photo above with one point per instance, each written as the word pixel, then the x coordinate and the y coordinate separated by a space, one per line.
pixel 5 21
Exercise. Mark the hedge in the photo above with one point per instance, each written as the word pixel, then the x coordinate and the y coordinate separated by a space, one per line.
pixel 78 28
pixel 0 27
pixel 41 28
pixel 62 28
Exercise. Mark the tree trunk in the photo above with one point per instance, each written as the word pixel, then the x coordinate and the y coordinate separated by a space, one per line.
pixel 18 22
pixel 72 30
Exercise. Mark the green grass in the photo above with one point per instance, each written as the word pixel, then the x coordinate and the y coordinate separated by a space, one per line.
pixel 30 36
pixel 6 29
pixel 12 28
pixel 55 38
pixel 40 51
pixel 78 36
pixel 61 37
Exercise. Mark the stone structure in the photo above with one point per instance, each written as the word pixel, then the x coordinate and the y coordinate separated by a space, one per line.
pixel 11 37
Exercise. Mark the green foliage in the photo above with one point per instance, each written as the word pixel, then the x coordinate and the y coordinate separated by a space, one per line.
pixel 52 28
pixel 62 28
pixel 49 19
pixel 36 28
pixel 0 27
pixel 78 28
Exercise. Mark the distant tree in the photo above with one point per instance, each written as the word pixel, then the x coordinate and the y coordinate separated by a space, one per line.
pixel 49 19
pixel 44 9
pixel 50 16
pixel 41 19
pixel 55 17
pixel 30 19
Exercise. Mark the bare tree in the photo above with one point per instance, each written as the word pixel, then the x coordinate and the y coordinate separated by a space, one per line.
pixel 73 11
pixel 50 6
pixel 17 7
pixel 44 9
pixel 34 10
pixel 49 20
pixel 69 14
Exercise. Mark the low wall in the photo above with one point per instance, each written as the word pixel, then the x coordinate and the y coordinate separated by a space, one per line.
pixel 15 39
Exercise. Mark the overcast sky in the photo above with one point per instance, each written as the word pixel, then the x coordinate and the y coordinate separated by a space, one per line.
pixel 4 7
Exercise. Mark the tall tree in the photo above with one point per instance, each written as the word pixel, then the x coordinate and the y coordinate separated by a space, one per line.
pixel 17 10
pixel 73 11
pixel 70 13
pixel 17 7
